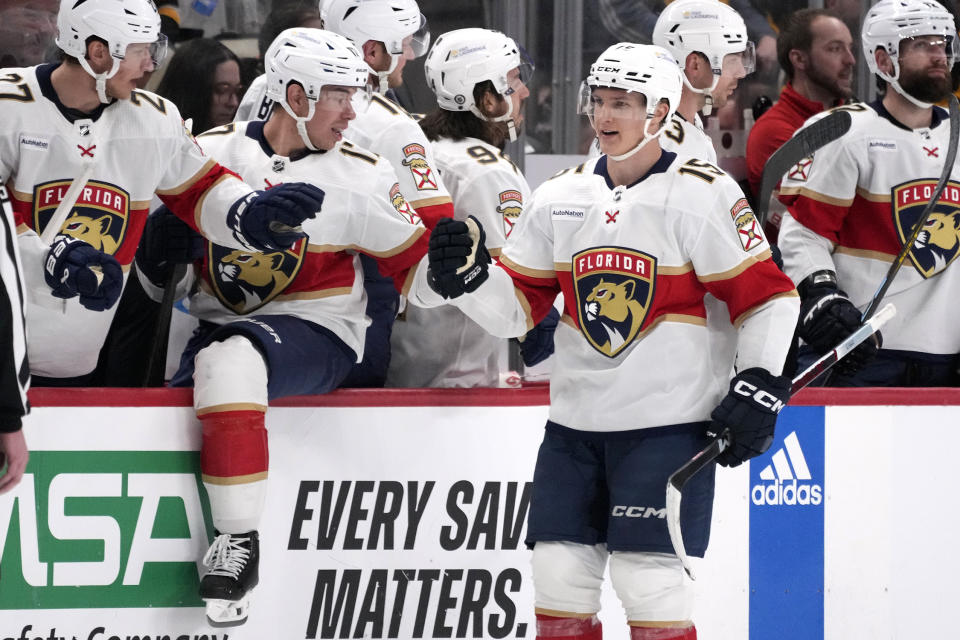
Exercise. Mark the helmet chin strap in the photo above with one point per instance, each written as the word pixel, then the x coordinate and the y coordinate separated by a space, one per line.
pixel 643 143
pixel 707 108
pixel 507 117
pixel 895 83
pixel 302 122
pixel 101 78
pixel 383 77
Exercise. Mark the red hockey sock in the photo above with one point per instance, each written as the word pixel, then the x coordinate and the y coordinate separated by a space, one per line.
pixel 554 628
pixel 234 444
pixel 663 633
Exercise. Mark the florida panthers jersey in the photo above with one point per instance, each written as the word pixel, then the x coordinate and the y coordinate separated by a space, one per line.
pixel 634 265
pixel 851 205
pixel 386 129
pixel 139 147
pixel 484 183
pixel 320 279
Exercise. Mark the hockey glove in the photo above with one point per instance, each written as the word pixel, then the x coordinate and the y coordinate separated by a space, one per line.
pixel 270 220
pixel 74 268
pixel 459 260
pixel 167 241
pixel 827 317
pixel 749 414
pixel 537 345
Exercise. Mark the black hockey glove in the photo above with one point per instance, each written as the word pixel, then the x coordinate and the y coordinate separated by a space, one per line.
pixel 270 220
pixel 459 260
pixel 167 241
pixel 827 317
pixel 537 345
pixel 74 268
pixel 749 413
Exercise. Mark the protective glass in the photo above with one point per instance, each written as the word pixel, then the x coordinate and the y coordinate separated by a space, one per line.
pixel 747 58
pixel 931 46
pixel 613 103
pixel 337 98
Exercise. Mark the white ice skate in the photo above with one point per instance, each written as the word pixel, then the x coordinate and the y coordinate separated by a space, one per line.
pixel 233 560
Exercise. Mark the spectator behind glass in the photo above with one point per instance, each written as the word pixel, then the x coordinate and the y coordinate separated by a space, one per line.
pixel 815 50
pixel 27 30
pixel 203 80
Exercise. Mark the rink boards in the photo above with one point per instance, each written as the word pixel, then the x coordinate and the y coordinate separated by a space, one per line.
pixel 402 515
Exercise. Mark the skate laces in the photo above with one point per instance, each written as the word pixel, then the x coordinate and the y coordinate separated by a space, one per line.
pixel 227 556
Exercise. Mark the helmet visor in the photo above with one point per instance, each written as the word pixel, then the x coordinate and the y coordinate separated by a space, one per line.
pixel 334 97
pixel 743 62
pixel 157 50
pixel 931 46
pixel 524 75
pixel 419 41
pixel 608 102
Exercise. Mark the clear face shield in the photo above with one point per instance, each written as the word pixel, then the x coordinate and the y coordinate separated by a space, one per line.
pixel 931 46
pixel 156 50
pixel 415 44
pixel 603 103
pixel 336 98
pixel 741 63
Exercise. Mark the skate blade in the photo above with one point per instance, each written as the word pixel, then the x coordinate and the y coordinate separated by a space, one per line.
pixel 227 613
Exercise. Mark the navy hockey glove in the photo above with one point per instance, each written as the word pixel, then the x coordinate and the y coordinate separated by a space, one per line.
pixel 827 317
pixel 74 268
pixel 167 241
pixel 270 220
pixel 537 345
pixel 749 414
pixel 459 260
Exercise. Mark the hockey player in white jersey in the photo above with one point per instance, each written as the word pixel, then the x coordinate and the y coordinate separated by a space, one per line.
pixel 709 41
pixel 852 203
pixel 83 121
pixel 634 239
pixel 480 79
pixel 388 34
pixel 287 322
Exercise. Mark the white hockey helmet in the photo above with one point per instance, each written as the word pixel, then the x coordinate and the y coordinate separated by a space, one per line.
pixel 461 59
pixel 313 58
pixel 119 23
pixel 395 23
pixel 708 27
pixel 638 68
pixel 890 21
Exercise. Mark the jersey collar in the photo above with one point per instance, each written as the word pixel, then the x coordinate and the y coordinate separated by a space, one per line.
pixel 938 115
pixel 46 88
pixel 660 166
pixel 255 132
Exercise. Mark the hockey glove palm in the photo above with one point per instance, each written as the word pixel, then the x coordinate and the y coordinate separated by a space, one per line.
pixel 459 260
pixel 74 268
pixel 827 317
pixel 537 345
pixel 166 241
pixel 270 220
pixel 749 414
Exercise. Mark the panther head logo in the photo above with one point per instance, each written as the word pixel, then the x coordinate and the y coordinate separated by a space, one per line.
pixel 246 280
pixel 93 231
pixel 937 243
pixel 614 288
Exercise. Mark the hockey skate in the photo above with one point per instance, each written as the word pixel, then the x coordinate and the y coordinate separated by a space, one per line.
pixel 233 560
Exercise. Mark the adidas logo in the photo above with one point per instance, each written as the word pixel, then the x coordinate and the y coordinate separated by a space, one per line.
pixel 786 481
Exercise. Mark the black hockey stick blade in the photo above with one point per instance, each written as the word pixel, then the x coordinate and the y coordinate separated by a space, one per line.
pixel 801 145
pixel 918 225
pixel 708 454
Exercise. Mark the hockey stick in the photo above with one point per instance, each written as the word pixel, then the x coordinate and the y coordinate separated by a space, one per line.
pixel 155 370
pixel 679 478
pixel 922 219
pixel 801 145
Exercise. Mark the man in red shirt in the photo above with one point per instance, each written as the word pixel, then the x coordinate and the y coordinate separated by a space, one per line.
pixel 815 50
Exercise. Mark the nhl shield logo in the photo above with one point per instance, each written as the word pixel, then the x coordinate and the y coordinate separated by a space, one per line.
pixel 244 281
pixel 938 243
pixel 614 287
pixel 99 216
pixel 510 207
pixel 415 157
